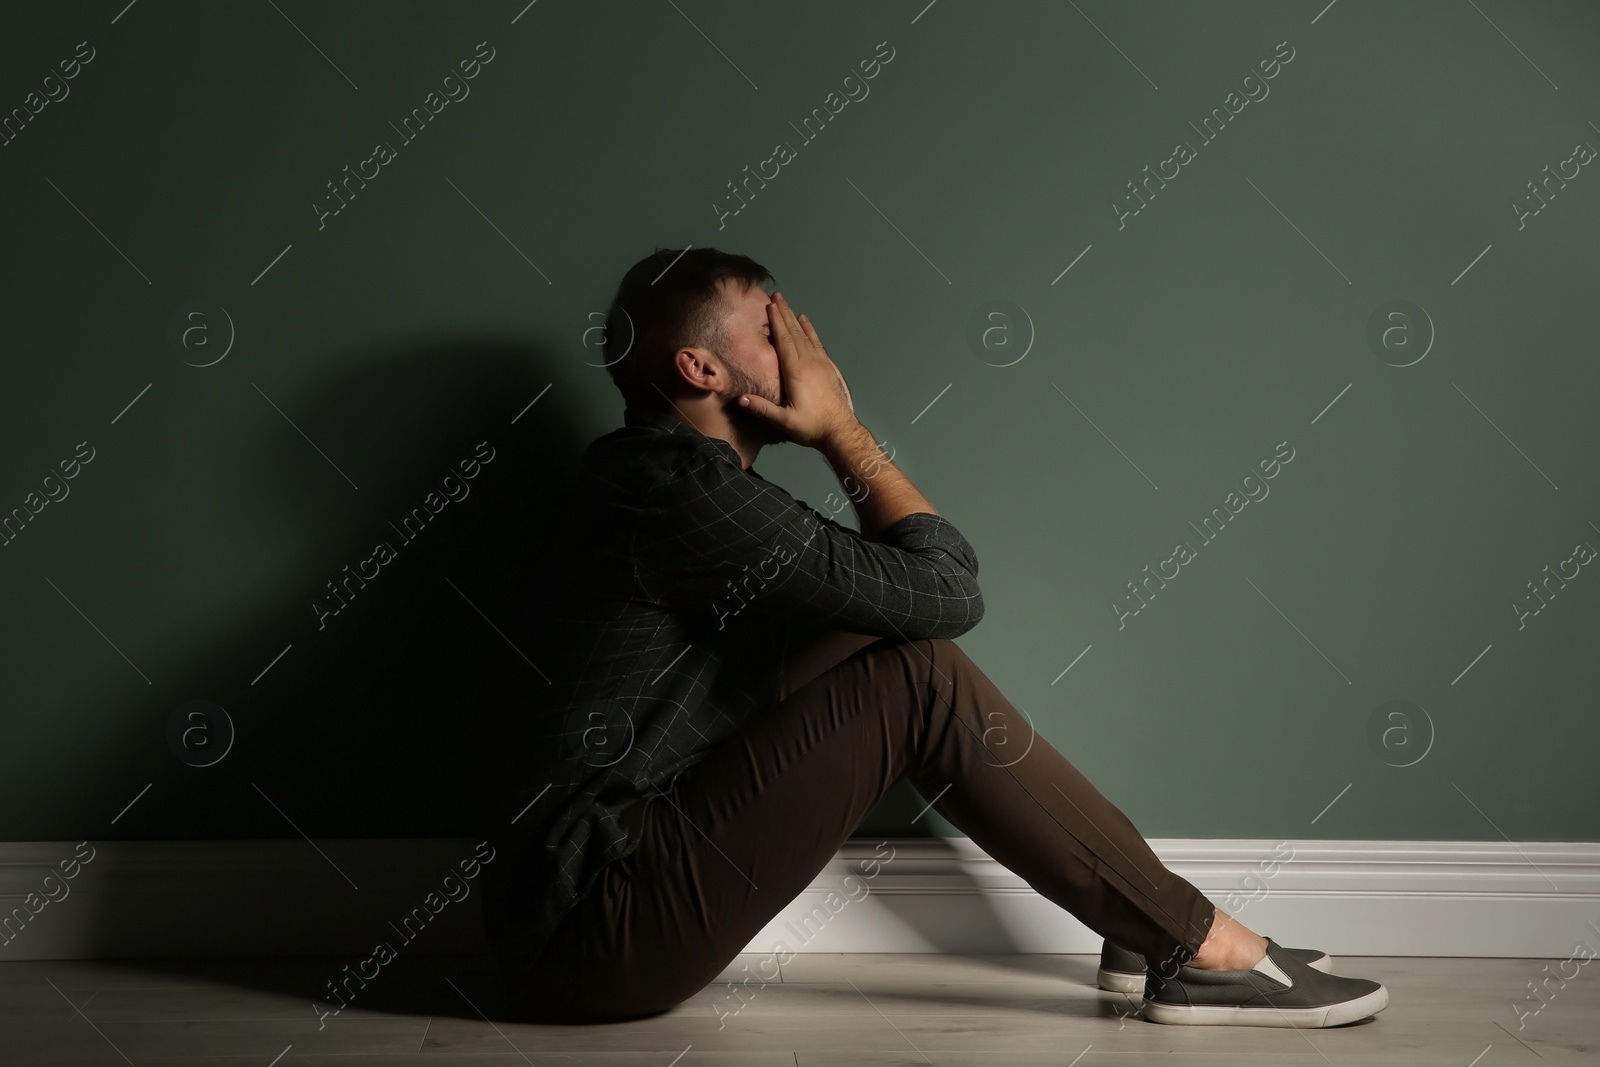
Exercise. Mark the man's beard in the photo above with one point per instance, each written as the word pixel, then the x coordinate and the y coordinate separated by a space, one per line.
pixel 752 426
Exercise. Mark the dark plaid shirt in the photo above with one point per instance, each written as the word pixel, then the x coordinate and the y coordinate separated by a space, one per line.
pixel 666 629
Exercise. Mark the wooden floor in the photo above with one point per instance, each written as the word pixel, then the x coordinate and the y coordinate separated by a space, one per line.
pixel 872 1010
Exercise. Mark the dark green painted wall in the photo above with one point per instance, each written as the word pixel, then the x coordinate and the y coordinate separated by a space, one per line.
pixel 1238 316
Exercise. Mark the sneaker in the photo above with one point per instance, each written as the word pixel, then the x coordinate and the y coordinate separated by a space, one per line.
pixel 1279 991
pixel 1122 970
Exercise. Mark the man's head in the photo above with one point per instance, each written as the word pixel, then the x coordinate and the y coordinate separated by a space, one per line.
pixel 688 328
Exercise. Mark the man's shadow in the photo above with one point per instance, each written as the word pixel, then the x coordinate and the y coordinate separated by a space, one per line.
pixel 363 697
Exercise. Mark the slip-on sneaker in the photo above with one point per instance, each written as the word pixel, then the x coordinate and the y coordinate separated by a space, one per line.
pixel 1279 991
pixel 1122 970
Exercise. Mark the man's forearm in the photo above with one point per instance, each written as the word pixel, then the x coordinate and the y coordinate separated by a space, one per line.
pixel 882 493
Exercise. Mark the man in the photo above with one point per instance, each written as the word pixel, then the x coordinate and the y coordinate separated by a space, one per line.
pixel 735 680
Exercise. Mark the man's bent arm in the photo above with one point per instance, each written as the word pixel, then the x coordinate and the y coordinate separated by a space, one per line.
pixel 709 534
pixel 888 495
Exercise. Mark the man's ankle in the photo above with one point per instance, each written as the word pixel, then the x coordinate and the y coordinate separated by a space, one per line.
pixel 1229 946
pixel 1237 957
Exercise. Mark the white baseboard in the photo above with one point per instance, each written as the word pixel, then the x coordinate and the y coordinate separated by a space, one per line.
pixel 1363 898
pixel 276 898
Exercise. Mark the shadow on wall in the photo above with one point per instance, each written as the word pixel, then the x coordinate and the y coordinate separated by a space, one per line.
pixel 371 715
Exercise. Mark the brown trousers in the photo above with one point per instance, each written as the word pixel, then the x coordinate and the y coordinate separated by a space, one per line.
pixel 743 832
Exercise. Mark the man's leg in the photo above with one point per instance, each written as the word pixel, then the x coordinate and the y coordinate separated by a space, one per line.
pixel 742 833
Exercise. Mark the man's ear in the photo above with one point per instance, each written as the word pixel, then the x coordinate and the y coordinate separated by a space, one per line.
pixel 699 367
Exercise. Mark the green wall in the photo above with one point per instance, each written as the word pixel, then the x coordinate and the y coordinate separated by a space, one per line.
pixel 1073 423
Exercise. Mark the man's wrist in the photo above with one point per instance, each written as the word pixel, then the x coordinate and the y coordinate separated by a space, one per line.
pixel 842 439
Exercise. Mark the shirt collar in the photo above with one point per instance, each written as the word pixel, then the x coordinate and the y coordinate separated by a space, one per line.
pixel 657 419
pixel 668 423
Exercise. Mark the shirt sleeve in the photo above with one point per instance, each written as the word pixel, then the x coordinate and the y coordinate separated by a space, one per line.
pixel 713 537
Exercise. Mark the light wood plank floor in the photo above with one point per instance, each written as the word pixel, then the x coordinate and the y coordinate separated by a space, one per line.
pixel 823 1010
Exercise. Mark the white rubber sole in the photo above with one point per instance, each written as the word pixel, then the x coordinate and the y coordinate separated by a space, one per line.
pixel 1127 982
pixel 1219 1015
pixel 1119 981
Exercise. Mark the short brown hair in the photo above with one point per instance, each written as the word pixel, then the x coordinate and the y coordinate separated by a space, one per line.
pixel 668 300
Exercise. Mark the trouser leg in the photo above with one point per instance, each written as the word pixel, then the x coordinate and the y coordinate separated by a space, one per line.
pixel 743 832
